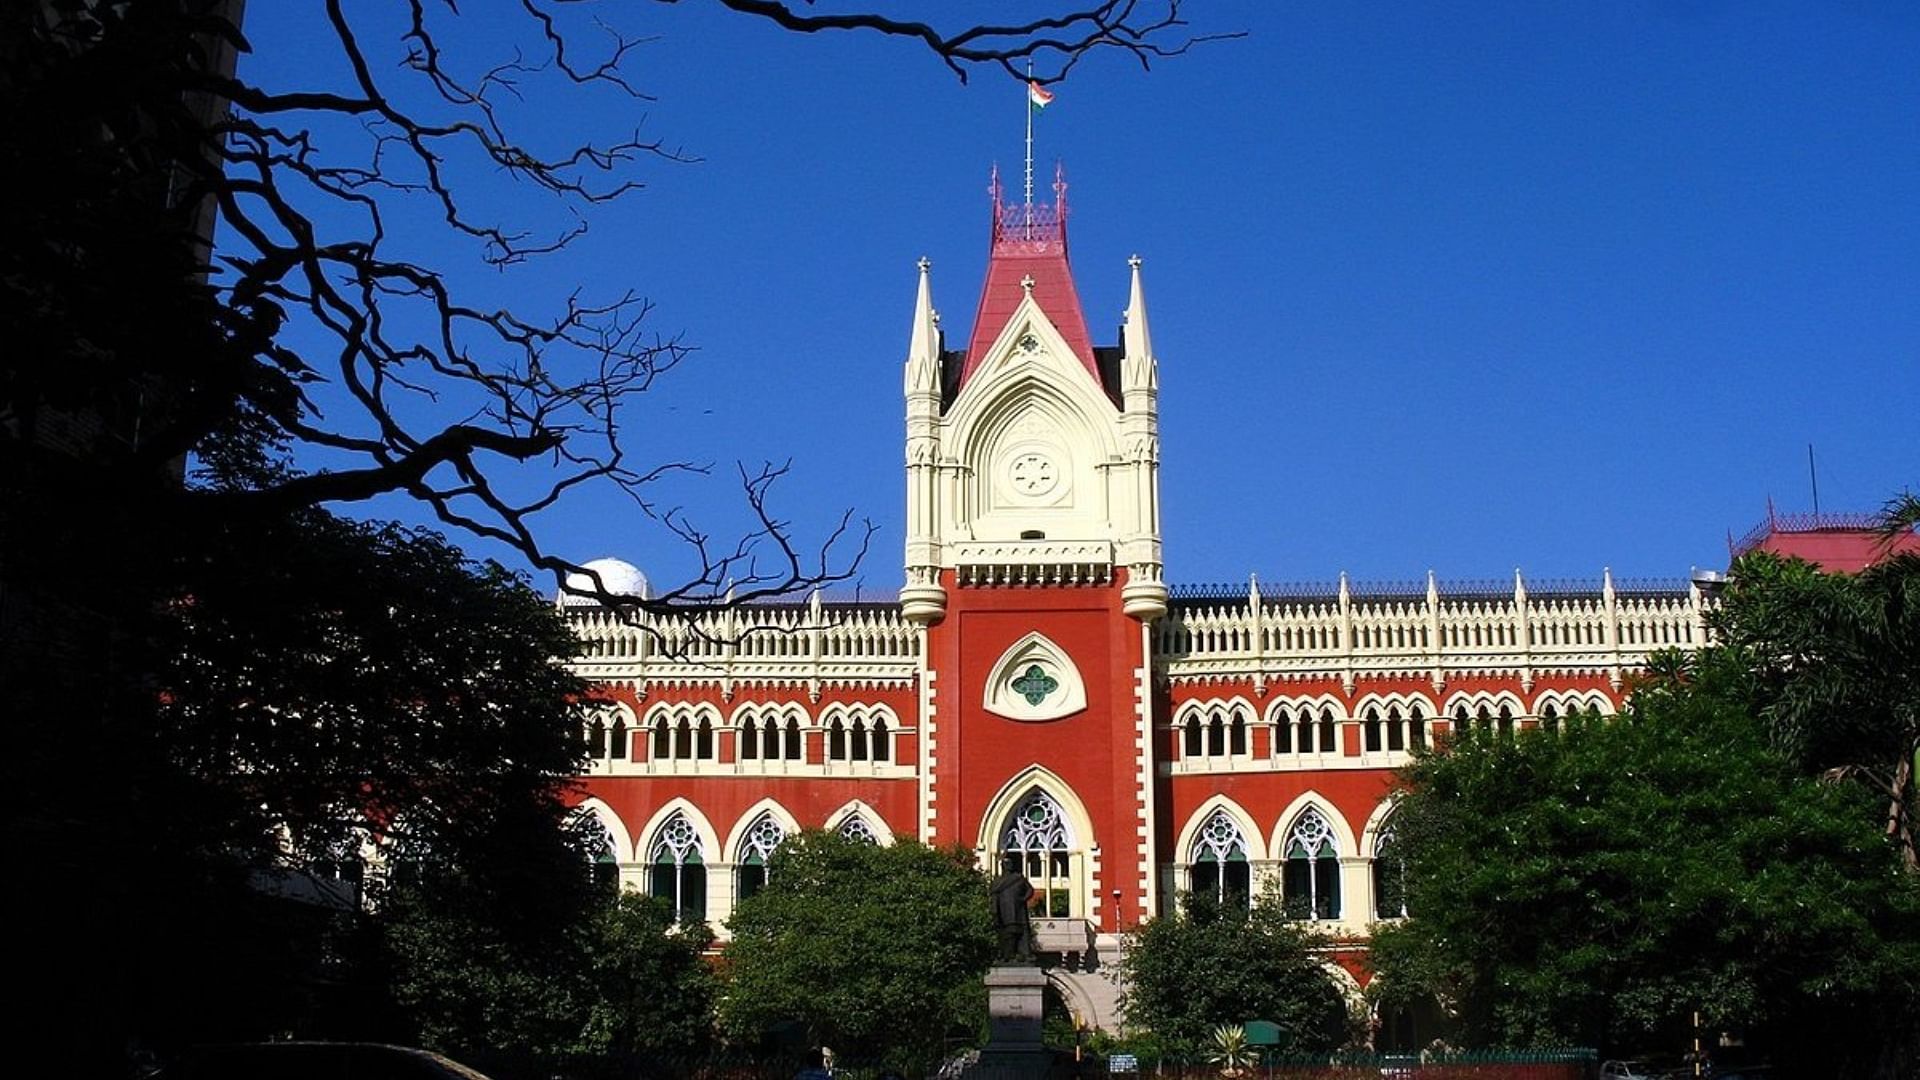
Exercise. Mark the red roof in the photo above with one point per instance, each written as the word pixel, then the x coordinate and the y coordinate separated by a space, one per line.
pixel 1029 242
pixel 1839 543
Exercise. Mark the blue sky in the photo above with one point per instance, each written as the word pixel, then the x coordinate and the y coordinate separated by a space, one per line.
pixel 1463 287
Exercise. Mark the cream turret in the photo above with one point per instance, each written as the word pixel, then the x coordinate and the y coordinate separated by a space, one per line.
pixel 922 600
pixel 1145 595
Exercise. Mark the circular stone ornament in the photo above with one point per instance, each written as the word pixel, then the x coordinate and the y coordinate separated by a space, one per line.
pixel 1032 474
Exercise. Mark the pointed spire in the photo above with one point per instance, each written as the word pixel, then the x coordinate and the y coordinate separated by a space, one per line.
pixel 1138 342
pixel 923 348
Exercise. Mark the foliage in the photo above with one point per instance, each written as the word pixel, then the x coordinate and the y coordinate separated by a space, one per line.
pixel 462 978
pixel 325 686
pixel 653 987
pixel 1594 887
pixel 607 978
pixel 1210 964
pixel 1228 1048
pixel 1836 663
pixel 334 681
pixel 326 675
pixel 878 951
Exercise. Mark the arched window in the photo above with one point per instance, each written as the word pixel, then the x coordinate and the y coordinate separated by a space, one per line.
pixel 704 750
pixel 882 751
pixel 1237 732
pixel 662 740
pixel 1417 727
pixel 1505 722
pixel 1038 843
pixel 683 739
pixel 1550 717
pixel 677 872
pixel 1311 879
pixel 597 736
pixel 1192 741
pixel 836 741
pixel 603 859
pixel 408 852
pixel 762 838
pixel 750 738
pixel 1282 732
pixel 793 739
pixel 1219 866
pixel 859 736
pixel 1216 736
pixel 1389 876
pixel 1371 728
pixel 856 828
pixel 617 738
pixel 1329 738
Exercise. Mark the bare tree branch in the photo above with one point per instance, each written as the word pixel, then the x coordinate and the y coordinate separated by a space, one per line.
pixel 414 388
pixel 1058 41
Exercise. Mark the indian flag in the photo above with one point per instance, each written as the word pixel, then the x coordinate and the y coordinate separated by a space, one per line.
pixel 1037 95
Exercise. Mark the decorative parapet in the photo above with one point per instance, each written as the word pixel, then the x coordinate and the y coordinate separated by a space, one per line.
pixel 1032 562
pixel 1294 632
pixel 813 644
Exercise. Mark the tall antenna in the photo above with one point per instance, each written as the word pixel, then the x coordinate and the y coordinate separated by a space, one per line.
pixel 1814 477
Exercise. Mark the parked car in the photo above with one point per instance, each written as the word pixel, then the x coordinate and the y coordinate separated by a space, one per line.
pixel 314 1061
pixel 1629 1070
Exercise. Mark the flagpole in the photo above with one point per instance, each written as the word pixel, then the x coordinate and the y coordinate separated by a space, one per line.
pixel 1026 95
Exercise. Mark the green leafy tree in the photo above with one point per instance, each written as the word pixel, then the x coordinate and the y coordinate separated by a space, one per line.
pixel 1837 663
pixel 614 980
pixel 653 987
pixel 327 686
pixel 1209 965
pixel 878 951
pixel 1597 886
pixel 484 958
pixel 325 676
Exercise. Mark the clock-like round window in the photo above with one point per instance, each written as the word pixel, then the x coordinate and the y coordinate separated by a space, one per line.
pixel 1033 474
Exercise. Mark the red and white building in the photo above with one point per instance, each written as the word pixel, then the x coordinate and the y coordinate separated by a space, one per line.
pixel 1040 695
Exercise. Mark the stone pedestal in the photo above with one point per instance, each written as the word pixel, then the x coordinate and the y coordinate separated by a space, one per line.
pixel 1016 996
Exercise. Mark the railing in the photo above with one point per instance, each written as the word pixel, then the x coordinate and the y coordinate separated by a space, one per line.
pixel 814 633
pixel 1579 1064
pixel 1438 627
pixel 1800 523
pixel 1020 225
pixel 1574 1064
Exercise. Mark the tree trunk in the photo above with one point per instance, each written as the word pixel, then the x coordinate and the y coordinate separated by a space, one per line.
pixel 1899 824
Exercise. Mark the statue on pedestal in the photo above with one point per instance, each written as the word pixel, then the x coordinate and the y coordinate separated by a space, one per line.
pixel 1012 924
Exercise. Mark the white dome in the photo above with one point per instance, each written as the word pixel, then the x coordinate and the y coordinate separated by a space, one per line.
pixel 618 577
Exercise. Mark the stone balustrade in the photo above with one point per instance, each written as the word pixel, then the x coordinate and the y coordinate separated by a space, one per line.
pixel 1352 632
